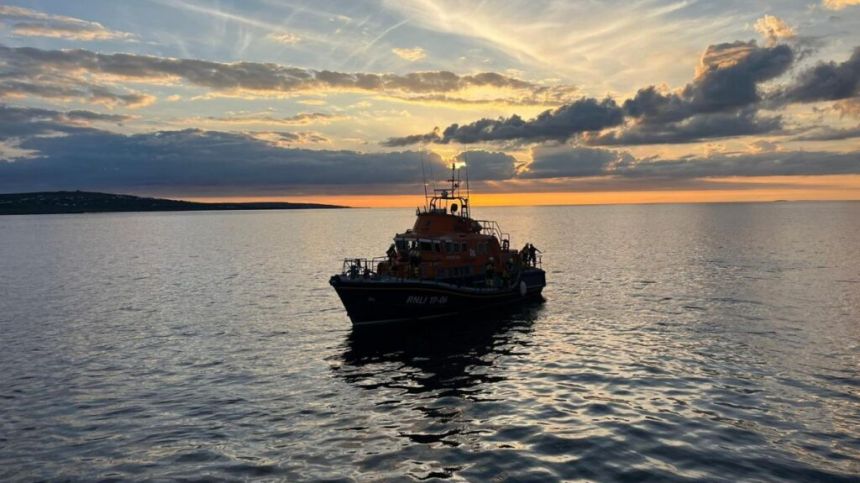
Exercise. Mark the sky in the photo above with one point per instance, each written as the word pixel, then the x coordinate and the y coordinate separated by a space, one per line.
pixel 545 101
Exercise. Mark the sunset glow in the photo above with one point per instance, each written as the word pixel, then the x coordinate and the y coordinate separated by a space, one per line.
pixel 810 188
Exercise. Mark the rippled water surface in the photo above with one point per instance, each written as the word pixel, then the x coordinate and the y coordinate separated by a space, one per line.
pixel 716 342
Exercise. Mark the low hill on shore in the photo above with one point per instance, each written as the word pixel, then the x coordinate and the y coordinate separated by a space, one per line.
pixel 52 202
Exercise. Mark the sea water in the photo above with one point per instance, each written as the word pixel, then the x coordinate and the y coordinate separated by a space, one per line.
pixel 713 341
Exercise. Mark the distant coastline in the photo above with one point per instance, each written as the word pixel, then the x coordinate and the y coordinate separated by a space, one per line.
pixel 61 202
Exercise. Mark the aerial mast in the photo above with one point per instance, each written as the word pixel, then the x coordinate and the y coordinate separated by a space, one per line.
pixel 424 178
pixel 468 192
pixel 467 181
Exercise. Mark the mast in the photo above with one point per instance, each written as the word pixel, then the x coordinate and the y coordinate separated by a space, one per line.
pixel 466 210
pixel 424 179
pixel 467 181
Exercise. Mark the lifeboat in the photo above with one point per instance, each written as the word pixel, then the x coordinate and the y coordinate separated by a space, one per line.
pixel 448 264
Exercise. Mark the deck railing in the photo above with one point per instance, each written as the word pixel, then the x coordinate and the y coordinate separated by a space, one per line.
pixel 369 268
pixel 489 227
pixel 362 267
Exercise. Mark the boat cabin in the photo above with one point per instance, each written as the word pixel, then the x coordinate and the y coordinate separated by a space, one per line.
pixel 446 244
pixel 447 264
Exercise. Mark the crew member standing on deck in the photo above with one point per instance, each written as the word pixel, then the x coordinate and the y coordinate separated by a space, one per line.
pixel 533 255
pixel 415 260
pixel 490 273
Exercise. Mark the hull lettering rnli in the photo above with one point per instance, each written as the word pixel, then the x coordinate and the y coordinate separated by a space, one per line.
pixel 447 264
pixel 423 299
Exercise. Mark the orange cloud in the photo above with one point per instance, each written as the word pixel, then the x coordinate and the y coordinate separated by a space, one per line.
pixel 839 4
pixel 284 37
pixel 32 23
pixel 773 29
pixel 411 55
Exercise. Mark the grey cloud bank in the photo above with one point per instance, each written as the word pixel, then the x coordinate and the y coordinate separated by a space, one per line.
pixel 723 100
pixel 40 72
pixel 86 157
pixel 585 114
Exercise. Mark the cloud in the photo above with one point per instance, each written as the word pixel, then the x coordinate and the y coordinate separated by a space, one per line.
pixel 29 122
pixel 37 66
pixel 829 134
pixel 577 162
pixel 488 165
pixel 284 37
pixel 301 119
pixel 720 165
pixel 762 146
pixel 586 114
pixel 727 79
pixel 729 74
pixel 839 4
pixel 31 23
pixel 90 116
pixel 195 161
pixel 287 139
pixel 827 81
pixel 50 150
pixel 540 96
pixel 47 149
pixel 567 161
pixel 773 29
pixel 431 137
pixel 70 90
pixel 848 107
pixel 743 122
pixel 720 102
pixel 11 149
pixel 411 55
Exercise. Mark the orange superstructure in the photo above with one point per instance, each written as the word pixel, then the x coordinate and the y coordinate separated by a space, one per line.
pixel 446 243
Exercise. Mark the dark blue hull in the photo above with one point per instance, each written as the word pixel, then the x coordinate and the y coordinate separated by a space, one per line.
pixel 377 301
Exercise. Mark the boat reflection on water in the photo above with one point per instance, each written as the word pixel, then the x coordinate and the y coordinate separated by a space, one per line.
pixel 439 356
pixel 440 375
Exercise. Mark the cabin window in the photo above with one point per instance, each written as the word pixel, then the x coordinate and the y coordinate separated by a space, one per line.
pixel 401 245
pixel 426 246
pixel 449 247
pixel 460 271
pixel 437 246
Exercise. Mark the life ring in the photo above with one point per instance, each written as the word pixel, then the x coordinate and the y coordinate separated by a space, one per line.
pixel 523 288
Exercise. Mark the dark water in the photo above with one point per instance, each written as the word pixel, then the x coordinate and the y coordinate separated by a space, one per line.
pixel 715 342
